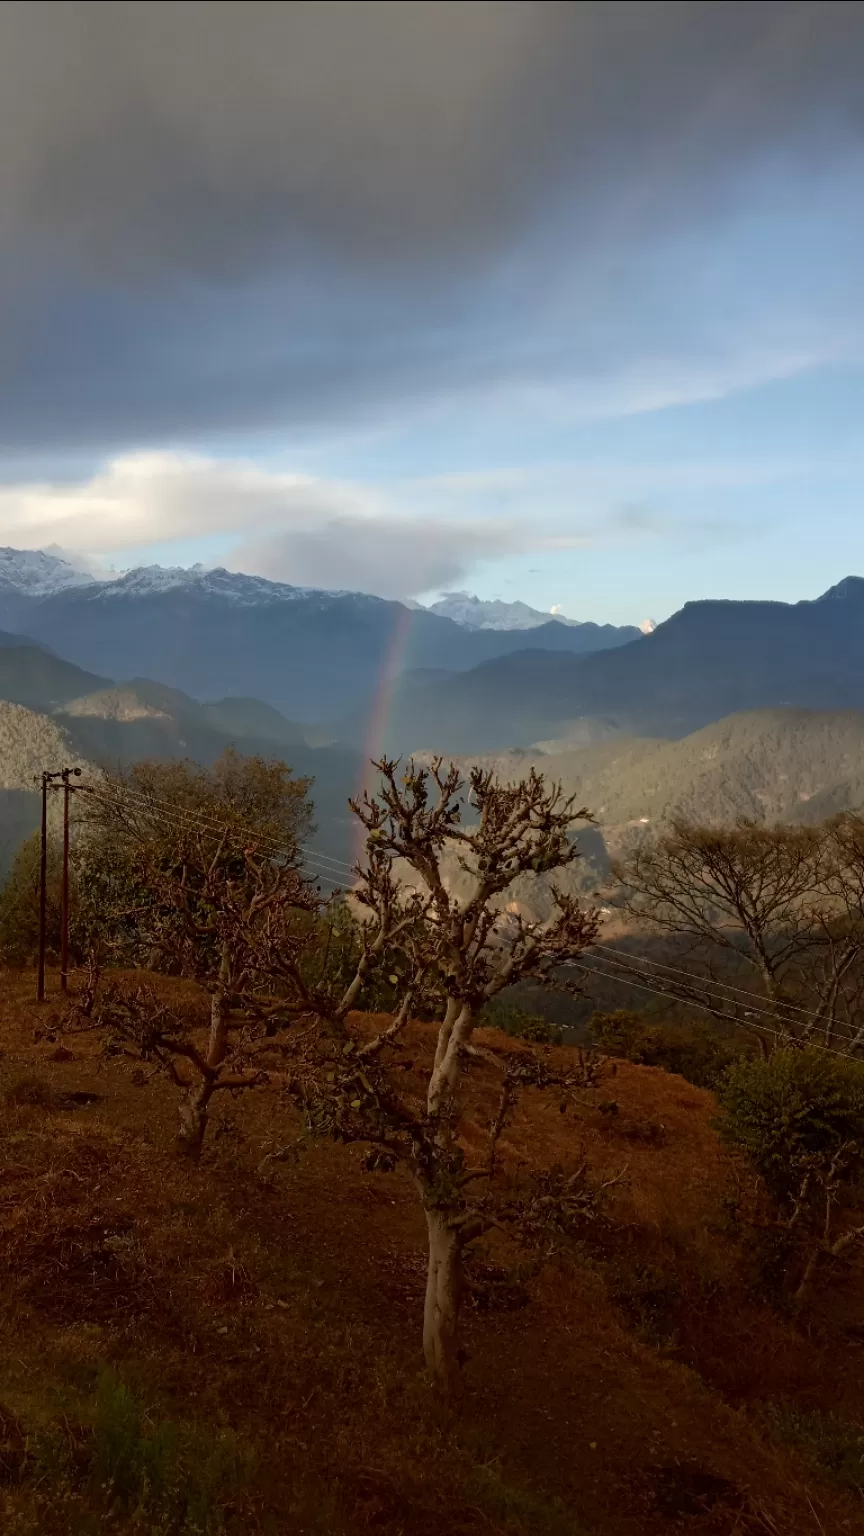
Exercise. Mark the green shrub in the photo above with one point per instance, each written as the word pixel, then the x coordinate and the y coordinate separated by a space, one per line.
pixel 693 1051
pixel 832 1444
pixel 795 1112
pixel 169 1478
pixel 798 1116
pixel 19 904
pixel 137 1461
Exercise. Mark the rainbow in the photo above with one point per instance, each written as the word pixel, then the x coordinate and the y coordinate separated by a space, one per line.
pixel 382 703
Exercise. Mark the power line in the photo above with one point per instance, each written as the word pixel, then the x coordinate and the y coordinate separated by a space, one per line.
pixel 627 964
pixel 182 814
pixel 659 992
pixel 851 1036
pixel 626 975
pixel 754 998
pixel 147 801
pixel 694 976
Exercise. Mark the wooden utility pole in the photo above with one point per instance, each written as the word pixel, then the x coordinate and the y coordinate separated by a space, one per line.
pixel 43 890
pixel 64 929
pixel 48 781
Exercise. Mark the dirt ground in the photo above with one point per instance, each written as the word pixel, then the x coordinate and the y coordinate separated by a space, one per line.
pixel 249 1334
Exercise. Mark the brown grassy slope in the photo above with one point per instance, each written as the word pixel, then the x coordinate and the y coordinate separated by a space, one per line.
pixel 284 1308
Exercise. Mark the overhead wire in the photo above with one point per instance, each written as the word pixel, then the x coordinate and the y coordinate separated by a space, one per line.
pixel 660 992
pixel 212 824
pixel 181 814
pixel 632 965
pixel 324 868
pixel 694 976
pixel 184 818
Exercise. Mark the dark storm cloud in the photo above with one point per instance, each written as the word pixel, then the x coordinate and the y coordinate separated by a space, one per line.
pixel 214 216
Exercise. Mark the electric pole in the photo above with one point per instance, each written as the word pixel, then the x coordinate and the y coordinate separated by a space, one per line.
pixel 64 929
pixel 48 780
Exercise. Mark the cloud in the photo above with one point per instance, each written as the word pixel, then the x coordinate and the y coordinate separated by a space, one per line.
pixel 290 527
pixel 290 217
pixel 387 556
pixel 210 138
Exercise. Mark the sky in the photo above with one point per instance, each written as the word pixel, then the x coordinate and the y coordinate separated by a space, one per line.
pixel 558 302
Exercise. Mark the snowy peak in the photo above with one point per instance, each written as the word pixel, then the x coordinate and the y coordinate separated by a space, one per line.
pixel 648 626
pixel 200 582
pixel 38 573
pixel 478 613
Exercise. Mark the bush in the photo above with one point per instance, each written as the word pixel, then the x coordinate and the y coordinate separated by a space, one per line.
pixel 831 1444
pixel 19 905
pixel 164 1477
pixel 799 1119
pixel 793 1113
pixel 694 1052
pixel 32 1091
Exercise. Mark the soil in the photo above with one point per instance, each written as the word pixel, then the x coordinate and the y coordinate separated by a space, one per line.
pixel 628 1387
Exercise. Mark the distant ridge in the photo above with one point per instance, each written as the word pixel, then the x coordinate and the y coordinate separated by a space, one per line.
pixel 711 659
pixel 313 655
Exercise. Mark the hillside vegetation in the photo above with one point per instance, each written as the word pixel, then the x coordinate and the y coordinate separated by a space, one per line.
pixel 124 723
pixel 269 1156
pixel 241 1332
pixel 764 765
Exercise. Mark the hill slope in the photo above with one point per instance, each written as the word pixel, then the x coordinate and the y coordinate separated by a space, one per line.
pixel 273 1317
pixel 36 678
pixel 119 725
pixel 28 744
pixel 765 766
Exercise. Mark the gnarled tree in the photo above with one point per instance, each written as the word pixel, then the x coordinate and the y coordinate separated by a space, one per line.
pixel 467 950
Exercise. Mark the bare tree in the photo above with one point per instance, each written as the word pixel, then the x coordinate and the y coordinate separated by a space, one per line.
pixel 468 950
pixel 766 905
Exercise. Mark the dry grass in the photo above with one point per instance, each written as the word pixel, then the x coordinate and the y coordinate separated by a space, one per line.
pixel 213 1348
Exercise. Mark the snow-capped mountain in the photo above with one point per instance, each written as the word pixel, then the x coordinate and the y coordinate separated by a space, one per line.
pixel 480 613
pixel 311 654
pixel 38 573
pixel 231 586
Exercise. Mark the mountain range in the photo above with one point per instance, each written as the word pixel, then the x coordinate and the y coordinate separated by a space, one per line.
pixel 369 672
pixel 769 764
pixel 709 660
pixel 483 613
pixel 479 613
pixel 727 709
pixel 313 655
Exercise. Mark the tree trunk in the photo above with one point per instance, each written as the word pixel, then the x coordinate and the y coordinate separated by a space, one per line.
pixel 193 1107
pixel 193 1117
pixel 805 1289
pixel 443 1299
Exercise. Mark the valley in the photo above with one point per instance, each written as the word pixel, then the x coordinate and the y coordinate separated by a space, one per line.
pixel 727 711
